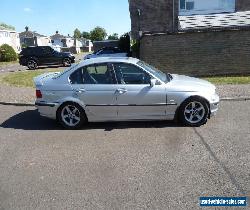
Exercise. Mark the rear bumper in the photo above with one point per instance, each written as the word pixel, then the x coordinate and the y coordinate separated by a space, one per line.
pixel 47 109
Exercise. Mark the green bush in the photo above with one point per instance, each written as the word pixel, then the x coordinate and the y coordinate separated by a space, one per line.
pixel 7 53
pixel 135 47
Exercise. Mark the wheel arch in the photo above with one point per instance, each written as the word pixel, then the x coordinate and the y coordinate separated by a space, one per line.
pixel 188 98
pixel 74 101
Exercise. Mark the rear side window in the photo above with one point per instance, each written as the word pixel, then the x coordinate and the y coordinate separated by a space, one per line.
pixel 94 74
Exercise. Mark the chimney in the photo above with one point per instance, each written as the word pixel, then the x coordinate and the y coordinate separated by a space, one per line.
pixel 56 32
pixel 26 28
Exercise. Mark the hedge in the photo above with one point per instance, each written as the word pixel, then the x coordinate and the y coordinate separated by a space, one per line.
pixel 7 53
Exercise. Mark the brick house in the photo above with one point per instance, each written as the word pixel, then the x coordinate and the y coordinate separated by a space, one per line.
pixel 195 37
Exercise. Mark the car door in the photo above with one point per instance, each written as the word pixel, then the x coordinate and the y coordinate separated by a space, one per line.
pixel 95 86
pixel 46 56
pixel 136 98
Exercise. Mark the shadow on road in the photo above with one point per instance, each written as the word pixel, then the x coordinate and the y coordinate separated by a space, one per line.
pixel 31 120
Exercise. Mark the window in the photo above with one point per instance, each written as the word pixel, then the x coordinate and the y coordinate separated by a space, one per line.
pixel 47 50
pixel 190 5
pixel 95 74
pixel 131 74
pixel 182 4
pixel 186 4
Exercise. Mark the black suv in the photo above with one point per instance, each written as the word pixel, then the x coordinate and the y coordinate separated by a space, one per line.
pixel 44 55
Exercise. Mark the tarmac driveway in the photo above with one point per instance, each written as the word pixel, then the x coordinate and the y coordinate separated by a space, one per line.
pixel 143 165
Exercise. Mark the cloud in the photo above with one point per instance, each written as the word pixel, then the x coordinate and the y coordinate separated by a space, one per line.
pixel 27 9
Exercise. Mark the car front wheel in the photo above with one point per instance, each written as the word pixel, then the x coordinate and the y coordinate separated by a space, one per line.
pixel 71 116
pixel 66 62
pixel 32 64
pixel 194 112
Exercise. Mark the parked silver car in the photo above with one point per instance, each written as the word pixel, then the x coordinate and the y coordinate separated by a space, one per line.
pixel 107 52
pixel 123 89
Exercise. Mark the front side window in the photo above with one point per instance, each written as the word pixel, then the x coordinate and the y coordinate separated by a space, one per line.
pixel 94 74
pixel 131 74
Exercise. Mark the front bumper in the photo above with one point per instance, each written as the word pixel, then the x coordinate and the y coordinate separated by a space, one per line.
pixel 214 105
pixel 73 59
pixel 47 109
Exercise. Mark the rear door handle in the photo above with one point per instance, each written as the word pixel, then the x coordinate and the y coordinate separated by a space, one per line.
pixel 80 90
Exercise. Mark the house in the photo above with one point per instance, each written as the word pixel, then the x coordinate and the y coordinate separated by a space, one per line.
pixel 32 38
pixel 195 37
pixel 11 38
pixel 65 43
pixel 85 45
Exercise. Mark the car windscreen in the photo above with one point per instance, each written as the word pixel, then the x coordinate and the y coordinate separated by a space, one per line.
pixel 157 73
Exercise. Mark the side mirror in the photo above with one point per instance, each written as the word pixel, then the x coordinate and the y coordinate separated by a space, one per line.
pixel 153 82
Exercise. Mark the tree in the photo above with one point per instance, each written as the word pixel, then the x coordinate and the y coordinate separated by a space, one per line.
pixel 124 42
pixel 77 33
pixel 98 34
pixel 113 37
pixel 85 35
pixel 7 26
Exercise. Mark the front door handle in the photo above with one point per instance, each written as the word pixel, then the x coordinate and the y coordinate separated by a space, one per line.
pixel 80 90
pixel 121 91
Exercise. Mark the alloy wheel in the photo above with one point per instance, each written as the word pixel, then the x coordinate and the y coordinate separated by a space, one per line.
pixel 71 115
pixel 194 112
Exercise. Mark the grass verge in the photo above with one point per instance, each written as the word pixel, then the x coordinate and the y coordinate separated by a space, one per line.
pixel 23 78
pixel 234 80
pixel 8 63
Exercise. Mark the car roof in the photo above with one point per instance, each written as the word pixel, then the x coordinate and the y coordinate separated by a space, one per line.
pixel 109 60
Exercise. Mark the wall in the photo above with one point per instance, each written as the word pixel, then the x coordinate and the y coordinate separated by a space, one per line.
pixel 11 38
pixel 155 16
pixel 208 53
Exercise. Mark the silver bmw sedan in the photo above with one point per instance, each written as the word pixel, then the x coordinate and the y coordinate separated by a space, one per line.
pixel 123 89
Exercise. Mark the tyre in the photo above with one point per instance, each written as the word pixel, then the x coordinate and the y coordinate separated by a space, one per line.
pixel 71 116
pixel 194 112
pixel 32 64
pixel 66 62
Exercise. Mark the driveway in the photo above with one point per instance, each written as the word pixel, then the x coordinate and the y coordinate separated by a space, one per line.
pixel 143 165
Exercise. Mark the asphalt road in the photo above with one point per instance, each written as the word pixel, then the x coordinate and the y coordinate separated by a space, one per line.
pixel 143 165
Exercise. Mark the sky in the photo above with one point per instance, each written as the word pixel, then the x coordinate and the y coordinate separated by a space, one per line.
pixel 48 16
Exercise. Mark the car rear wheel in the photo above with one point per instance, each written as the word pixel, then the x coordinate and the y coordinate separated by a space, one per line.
pixel 32 64
pixel 66 62
pixel 71 116
pixel 194 112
